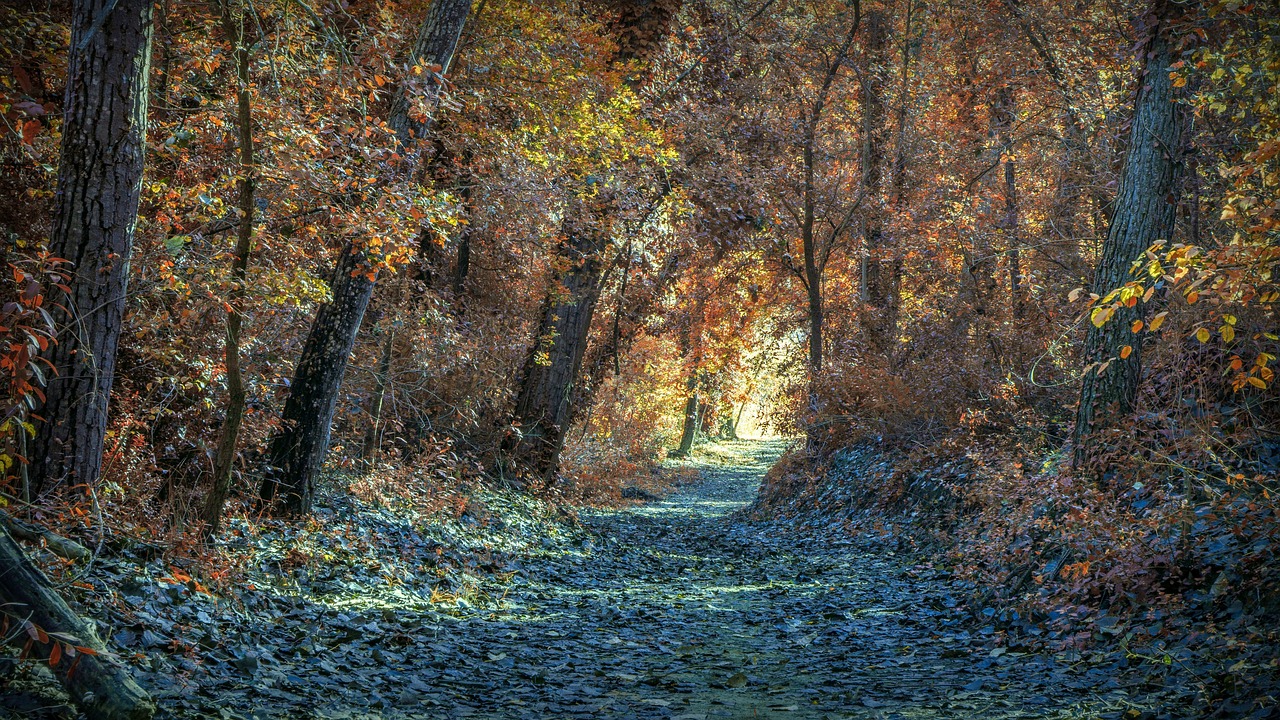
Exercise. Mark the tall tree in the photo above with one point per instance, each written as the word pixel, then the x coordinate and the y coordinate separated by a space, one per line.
pixel 814 260
pixel 224 458
pixel 99 182
pixel 876 282
pixel 1003 112
pixel 104 138
pixel 298 450
pixel 1145 210
pixel 551 369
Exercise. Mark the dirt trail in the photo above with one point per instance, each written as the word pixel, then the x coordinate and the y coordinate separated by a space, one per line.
pixel 680 608
pixel 683 609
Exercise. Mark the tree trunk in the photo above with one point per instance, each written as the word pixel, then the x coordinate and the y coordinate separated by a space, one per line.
pixel 813 267
pixel 689 432
pixel 99 181
pixel 543 405
pixel 224 459
pixel 1145 210
pixel 436 44
pixel 1003 112
pixel 298 449
pixel 373 434
pixel 382 380
pixel 1075 144
pixel 877 281
pixel 97 683
pixel 690 341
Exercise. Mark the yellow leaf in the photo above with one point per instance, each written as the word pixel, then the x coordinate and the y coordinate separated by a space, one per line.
pixel 1156 322
pixel 1136 327
pixel 1202 335
pixel 1100 316
pixel 1258 382
pixel 1228 333
pixel 1125 352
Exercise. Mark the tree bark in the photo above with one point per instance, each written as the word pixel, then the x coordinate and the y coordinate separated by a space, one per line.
pixel 691 352
pixel 1145 210
pixel 298 449
pixel 436 45
pixel 97 683
pixel 1003 112
pixel 689 431
pixel 877 279
pixel 551 369
pixel 96 209
pixel 224 459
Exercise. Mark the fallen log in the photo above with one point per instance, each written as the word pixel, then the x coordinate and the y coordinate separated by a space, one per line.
pixel 58 545
pixel 41 623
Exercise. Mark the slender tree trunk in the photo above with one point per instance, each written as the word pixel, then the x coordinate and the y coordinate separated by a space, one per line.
pixel 877 279
pixel 691 353
pixel 981 260
pixel 466 190
pixel 382 380
pixel 373 434
pixel 1145 210
pixel 898 187
pixel 298 449
pixel 224 459
pixel 96 209
pixel 1003 112
pixel 1075 144
pixel 99 685
pixel 689 430
pixel 544 404
pixel 813 267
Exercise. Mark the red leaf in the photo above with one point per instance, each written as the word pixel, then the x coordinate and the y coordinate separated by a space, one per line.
pixel 30 129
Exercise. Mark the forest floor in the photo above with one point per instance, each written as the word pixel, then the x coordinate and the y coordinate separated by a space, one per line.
pixel 678 608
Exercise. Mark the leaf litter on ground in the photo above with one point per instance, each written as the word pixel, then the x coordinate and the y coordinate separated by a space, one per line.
pixel 680 607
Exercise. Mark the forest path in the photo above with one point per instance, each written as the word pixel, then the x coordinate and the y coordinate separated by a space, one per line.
pixel 683 609
pixel 680 608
